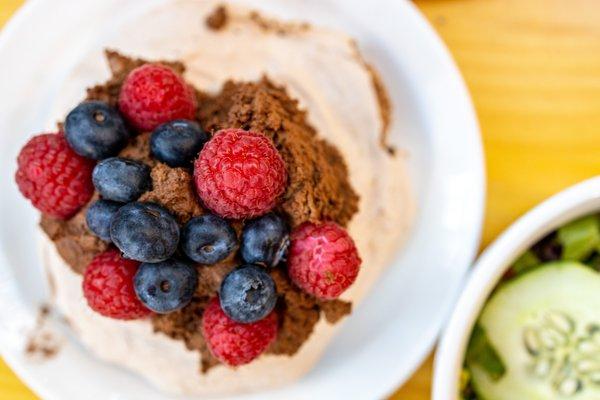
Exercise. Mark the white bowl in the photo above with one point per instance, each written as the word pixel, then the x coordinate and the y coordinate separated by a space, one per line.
pixel 576 201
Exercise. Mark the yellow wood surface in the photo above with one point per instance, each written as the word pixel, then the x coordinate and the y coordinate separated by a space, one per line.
pixel 533 69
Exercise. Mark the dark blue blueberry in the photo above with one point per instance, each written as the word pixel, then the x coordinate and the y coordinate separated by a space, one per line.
pixel 165 286
pixel 248 294
pixel 265 240
pixel 99 215
pixel 208 239
pixel 178 142
pixel 95 130
pixel 121 179
pixel 144 232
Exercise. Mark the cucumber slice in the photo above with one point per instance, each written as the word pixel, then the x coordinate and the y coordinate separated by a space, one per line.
pixel 545 327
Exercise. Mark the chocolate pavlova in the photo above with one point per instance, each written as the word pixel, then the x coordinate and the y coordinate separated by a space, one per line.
pixel 316 189
pixel 204 217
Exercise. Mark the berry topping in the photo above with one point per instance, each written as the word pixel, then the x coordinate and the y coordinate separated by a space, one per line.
pixel 248 294
pixel 95 130
pixel 239 174
pixel 208 239
pixel 234 343
pixel 153 94
pixel 265 240
pixel 56 180
pixel 121 179
pixel 98 217
pixel 322 260
pixel 177 143
pixel 166 286
pixel 108 287
pixel 145 232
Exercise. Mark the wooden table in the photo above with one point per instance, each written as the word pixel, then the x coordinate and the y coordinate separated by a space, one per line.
pixel 533 69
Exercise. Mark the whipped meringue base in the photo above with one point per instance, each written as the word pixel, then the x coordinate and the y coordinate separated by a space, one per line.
pixel 324 71
pixel 164 362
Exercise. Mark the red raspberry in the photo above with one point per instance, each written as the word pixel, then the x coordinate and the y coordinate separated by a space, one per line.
pixel 323 259
pixel 108 286
pixel 234 343
pixel 153 94
pixel 56 180
pixel 239 174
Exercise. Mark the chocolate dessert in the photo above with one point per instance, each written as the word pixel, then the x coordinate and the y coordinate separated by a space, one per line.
pixel 200 209
pixel 318 189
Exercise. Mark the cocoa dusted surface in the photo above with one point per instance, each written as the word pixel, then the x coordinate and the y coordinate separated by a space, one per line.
pixel 173 189
pixel 74 242
pixel 217 20
pixel 318 189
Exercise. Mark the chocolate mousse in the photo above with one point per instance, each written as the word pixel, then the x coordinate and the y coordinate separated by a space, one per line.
pixel 318 189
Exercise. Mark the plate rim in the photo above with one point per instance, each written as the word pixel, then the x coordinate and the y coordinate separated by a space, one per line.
pixel 420 356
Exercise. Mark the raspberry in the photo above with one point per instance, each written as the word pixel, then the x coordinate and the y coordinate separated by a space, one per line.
pixel 322 259
pixel 234 343
pixel 56 180
pixel 108 286
pixel 239 174
pixel 153 94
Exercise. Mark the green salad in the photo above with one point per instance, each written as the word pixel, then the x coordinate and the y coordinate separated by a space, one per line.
pixel 538 335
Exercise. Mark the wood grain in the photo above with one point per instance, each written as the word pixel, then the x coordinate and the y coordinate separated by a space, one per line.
pixel 533 69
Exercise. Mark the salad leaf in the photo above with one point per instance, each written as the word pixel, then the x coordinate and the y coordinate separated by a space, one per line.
pixel 594 261
pixel 527 261
pixel 580 238
pixel 481 352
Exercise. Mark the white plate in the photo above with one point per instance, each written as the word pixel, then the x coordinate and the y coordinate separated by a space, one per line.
pixel 390 333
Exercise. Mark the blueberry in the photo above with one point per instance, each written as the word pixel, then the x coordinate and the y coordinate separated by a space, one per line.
pixel 265 240
pixel 248 294
pixel 144 232
pixel 178 142
pixel 95 130
pixel 165 286
pixel 208 239
pixel 120 179
pixel 98 217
